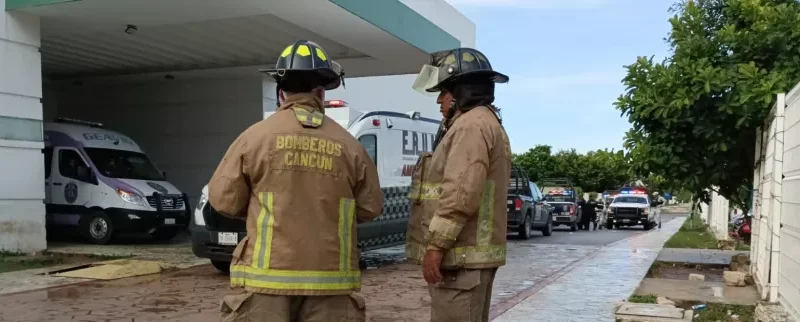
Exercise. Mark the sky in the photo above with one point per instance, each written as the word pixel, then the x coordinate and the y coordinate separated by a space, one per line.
pixel 565 61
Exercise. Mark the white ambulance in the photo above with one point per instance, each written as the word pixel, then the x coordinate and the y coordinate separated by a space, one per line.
pixel 393 140
pixel 102 183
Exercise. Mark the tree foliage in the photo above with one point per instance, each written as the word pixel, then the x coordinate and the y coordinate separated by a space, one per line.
pixel 694 115
pixel 594 171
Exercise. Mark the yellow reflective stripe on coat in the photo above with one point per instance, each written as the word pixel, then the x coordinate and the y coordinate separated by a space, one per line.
pixel 486 214
pixel 311 119
pixel 425 191
pixel 347 210
pixel 294 280
pixel 266 220
pixel 460 256
pixel 260 275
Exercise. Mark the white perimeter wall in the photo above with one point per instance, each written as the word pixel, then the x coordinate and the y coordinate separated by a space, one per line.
pixel 21 172
pixel 184 125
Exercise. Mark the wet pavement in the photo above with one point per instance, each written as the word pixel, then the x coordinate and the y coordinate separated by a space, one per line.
pixel 589 290
pixel 555 279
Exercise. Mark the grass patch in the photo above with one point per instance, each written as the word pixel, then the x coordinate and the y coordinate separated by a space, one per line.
pixel 643 299
pixel 10 262
pixel 722 312
pixel 693 234
pixel 742 246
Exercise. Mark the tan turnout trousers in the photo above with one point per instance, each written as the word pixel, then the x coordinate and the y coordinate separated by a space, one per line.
pixel 464 295
pixel 254 307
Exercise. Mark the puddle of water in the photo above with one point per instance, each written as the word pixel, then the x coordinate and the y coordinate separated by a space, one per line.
pixel 68 292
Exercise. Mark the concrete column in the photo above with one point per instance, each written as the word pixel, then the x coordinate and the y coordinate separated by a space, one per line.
pixel 268 95
pixel 22 191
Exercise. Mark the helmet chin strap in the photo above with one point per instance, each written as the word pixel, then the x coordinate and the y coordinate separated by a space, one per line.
pixel 451 111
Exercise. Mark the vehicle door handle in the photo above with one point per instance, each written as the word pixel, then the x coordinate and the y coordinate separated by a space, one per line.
pixel 57 183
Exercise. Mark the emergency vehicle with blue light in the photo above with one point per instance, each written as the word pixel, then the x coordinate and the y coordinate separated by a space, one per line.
pixel 561 196
pixel 632 207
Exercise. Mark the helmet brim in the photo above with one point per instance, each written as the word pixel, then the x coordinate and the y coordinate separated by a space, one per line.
pixel 495 77
pixel 326 77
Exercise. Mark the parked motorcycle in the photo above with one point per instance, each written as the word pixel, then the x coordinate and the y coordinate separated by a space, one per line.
pixel 739 227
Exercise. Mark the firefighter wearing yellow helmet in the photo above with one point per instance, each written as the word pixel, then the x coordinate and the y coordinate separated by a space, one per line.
pixel 457 229
pixel 302 183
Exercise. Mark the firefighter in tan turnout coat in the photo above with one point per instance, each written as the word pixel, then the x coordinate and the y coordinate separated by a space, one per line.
pixel 457 229
pixel 302 183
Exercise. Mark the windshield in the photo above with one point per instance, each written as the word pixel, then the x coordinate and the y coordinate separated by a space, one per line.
pixel 124 164
pixel 631 200
pixel 559 198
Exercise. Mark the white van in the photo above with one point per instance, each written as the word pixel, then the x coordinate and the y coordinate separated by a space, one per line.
pixel 393 140
pixel 101 182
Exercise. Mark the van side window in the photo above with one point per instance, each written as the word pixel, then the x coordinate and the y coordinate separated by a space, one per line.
pixel 48 162
pixel 71 165
pixel 370 142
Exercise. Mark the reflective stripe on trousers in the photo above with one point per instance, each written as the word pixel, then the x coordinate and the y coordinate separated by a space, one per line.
pixel 258 274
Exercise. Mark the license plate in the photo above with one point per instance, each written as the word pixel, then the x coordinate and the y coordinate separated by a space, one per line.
pixel 230 239
pixel 169 221
pixel 626 220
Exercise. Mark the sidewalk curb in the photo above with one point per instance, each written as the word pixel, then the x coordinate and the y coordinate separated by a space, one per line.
pixel 508 304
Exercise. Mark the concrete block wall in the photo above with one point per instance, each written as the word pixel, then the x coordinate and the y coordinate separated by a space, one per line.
pixel 22 211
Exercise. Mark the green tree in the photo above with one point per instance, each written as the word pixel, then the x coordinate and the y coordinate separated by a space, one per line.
pixel 694 115
pixel 594 171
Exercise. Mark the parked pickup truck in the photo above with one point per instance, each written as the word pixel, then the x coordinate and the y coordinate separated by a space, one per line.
pixel 527 210
pixel 633 207
pixel 560 193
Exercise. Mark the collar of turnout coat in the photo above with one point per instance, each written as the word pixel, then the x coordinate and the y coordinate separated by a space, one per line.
pixel 306 101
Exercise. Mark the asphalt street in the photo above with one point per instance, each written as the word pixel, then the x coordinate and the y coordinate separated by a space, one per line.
pixel 562 235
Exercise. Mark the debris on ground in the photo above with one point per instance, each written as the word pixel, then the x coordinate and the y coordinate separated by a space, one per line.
pixel 734 278
pixel 697 277
pixel 664 301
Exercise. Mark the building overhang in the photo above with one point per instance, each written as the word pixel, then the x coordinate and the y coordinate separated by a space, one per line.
pixel 89 38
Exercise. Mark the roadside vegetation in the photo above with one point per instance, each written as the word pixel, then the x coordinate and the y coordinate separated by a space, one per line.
pixel 712 313
pixel 693 234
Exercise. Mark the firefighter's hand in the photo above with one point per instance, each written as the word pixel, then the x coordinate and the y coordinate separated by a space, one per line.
pixel 430 266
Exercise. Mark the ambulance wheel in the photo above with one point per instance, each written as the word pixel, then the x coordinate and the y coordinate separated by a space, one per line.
pixel 165 234
pixel 222 266
pixel 96 227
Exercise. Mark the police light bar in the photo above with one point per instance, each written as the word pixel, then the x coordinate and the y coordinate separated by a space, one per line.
pixel 79 122
pixel 560 192
pixel 633 192
pixel 335 104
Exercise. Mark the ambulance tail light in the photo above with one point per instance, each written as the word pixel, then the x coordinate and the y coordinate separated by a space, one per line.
pixel 517 204
pixel 335 104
